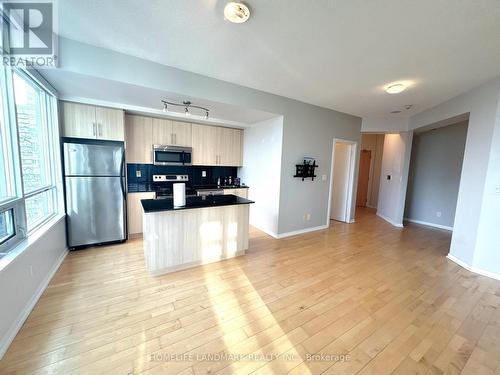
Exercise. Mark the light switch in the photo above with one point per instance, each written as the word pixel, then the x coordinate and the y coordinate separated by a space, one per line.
pixel 138 174
pixel 203 173
pixel 323 177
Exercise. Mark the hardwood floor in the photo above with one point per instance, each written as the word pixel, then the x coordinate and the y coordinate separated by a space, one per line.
pixel 365 298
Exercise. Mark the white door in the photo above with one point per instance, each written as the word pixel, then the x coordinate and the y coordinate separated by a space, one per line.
pixel 341 177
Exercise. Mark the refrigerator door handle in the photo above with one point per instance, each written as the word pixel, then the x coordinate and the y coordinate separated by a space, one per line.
pixel 122 176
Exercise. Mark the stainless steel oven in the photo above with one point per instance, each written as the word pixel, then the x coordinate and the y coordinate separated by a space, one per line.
pixel 171 155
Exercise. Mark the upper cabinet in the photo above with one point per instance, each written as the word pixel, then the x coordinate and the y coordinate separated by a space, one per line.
pixel 213 145
pixel 230 147
pixel 182 133
pixel 205 145
pixel 168 132
pixel 139 133
pixel 88 121
pixel 110 123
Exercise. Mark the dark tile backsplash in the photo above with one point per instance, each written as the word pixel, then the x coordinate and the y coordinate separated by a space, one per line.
pixel 194 172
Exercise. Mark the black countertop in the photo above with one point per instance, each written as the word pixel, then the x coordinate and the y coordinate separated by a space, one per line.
pixel 167 204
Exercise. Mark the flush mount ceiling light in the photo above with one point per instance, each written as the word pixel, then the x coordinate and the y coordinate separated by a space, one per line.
pixel 236 12
pixel 187 105
pixel 395 88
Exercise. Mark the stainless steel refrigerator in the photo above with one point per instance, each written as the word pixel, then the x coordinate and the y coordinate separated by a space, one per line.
pixel 94 179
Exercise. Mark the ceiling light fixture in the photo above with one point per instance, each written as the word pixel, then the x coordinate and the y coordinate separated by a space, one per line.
pixel 395 88
pixel 236 12
pixel 187 106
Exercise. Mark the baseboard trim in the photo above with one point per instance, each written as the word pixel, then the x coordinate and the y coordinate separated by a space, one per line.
pixel 479 271
pixel 427 224
pixel 302 231
pixel 14 329
pixel 393 223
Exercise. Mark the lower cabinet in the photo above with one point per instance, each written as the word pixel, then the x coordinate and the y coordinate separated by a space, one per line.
pixel 134 212
pixel 243 193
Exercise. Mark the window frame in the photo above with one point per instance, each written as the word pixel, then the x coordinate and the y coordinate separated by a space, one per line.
pixel 52 160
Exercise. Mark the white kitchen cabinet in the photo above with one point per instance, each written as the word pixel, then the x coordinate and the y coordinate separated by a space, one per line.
pixel 134 212
pixel 139 137
pixel 242 192
pixel 88 121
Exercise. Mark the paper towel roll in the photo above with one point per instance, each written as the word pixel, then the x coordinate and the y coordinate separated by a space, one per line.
pixel 179 195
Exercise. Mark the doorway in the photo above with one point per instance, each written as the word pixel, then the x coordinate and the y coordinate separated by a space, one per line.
pixel 363 177
pixel 342 182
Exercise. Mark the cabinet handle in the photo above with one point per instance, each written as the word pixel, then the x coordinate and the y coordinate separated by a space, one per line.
pixel 171 138
pixel 94 133
pixel 175 138
pixel 100 129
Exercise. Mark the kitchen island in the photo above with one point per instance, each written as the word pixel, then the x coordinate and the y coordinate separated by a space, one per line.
pixel 207 229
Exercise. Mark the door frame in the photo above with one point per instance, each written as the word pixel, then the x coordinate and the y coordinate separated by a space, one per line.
pixel 352 174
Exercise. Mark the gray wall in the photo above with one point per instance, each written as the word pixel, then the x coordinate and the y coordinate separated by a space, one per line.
pixel 308 130
pixel 435 169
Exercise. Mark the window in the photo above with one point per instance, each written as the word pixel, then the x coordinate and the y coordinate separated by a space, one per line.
pixel 7 230
pixel 30 188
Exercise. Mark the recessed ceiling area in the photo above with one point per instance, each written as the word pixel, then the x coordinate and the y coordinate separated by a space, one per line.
pixel 333 53
pixel 144 100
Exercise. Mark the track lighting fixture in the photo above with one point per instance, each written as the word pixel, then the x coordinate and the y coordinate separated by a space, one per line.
pixel 187 106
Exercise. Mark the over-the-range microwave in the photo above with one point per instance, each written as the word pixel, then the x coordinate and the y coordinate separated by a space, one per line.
pixel 171 155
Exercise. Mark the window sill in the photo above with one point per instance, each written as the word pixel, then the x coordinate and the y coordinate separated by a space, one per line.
pixel 12 255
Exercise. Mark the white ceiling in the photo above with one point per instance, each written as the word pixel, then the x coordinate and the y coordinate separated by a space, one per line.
pixel 333 53
pixel 136 99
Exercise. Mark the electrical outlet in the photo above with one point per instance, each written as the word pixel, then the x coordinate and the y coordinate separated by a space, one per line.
pixel 138 174
pixel 203 173
pixel 308 217
pixel 438 214
pixel 497 189
pixel 323 177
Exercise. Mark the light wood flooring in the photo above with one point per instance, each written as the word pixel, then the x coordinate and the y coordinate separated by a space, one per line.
pixel 368 298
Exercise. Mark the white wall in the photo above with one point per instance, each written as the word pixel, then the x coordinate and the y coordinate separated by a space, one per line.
pixel 395 162
pixel 383 124
pixel 21 288
pixel 262 172
pixel 487 250
pixel 435 169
